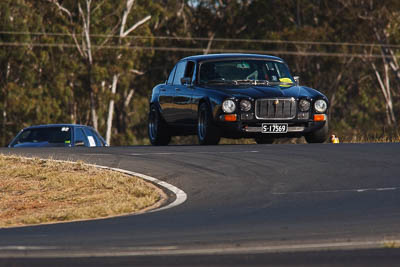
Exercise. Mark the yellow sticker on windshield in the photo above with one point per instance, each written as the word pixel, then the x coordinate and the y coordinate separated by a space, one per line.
pixel 286 80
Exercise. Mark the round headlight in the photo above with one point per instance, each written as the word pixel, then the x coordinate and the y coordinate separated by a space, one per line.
pixel 320 106
pixel 228 106
pixel 304 105
pixel 245 105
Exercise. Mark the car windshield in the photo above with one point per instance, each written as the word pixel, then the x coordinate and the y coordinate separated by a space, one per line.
pixel 60 134
pixel 245 71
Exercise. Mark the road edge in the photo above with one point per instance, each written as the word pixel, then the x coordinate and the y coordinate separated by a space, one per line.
pixel 180 195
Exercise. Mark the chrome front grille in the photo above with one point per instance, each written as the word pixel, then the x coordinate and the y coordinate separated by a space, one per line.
pixel 276 109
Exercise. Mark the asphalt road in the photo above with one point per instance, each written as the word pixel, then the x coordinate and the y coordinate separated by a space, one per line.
pixel 283 205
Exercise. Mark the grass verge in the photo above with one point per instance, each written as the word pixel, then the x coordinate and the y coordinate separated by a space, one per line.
pixel 35 191
pixel 391 244
pixel 192 140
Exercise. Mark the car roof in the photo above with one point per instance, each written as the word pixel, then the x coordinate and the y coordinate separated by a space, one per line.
pixel 55 125
pixel 229 56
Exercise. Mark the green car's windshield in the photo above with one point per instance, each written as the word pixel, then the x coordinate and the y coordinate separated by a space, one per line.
pixel 245 71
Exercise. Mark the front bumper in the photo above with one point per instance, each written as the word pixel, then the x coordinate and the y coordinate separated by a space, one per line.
pixel 247 129
pixel 257 129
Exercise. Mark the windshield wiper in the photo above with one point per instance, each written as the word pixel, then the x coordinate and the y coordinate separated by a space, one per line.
pixel 262 82
pixel 252 82
pixel 248 82
pixel 216 81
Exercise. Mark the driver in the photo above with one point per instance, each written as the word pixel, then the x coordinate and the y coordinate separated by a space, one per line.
pixel 208 72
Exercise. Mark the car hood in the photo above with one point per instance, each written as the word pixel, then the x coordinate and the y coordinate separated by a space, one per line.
pixel 40 144
pixel 272 91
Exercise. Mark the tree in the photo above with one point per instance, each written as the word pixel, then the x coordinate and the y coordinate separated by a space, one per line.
pixel 92 18
pixel 123 32
pixel 22 98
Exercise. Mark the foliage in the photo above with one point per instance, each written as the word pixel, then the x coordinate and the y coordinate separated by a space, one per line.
pixel 45 78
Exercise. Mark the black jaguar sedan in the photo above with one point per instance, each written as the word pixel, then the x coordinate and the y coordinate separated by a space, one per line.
pixel 235 96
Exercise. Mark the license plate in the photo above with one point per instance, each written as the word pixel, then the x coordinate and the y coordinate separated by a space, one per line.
pixel 274 128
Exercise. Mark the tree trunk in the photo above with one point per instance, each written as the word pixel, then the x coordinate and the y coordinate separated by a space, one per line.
pixel 87 49
pixel 122 34
pixel 385 88
pixel 5 97
pixel 4 121
pixel 389 95
pixel 93 112
pixel 111 108
pixel 210 41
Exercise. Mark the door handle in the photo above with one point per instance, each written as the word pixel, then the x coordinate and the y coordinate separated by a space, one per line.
pixel 177 89
pixel 163 89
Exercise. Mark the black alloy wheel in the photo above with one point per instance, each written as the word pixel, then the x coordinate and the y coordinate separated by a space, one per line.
pixel 318 136
pixel 207 132
pixel 158 132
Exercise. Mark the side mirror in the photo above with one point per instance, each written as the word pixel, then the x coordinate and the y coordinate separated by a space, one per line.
pixel 79 143
pixel 186 80
pixel 297 80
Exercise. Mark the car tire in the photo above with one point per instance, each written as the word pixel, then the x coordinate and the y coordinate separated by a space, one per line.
pixel 264 140
pixel 318 136
pixel 207 132
pixel 157 128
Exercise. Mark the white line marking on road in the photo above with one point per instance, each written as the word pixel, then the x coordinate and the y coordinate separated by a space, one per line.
pixel 24 248
pixel 184 153
pixel 339 191
pixel 387 189
pixel 49 252
pixel 181 196
pixel 141 154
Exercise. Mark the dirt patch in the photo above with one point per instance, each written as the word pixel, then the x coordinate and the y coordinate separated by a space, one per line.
pixel 35 191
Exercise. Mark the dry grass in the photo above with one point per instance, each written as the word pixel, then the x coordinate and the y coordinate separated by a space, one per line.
pixel 249 141
pixel 369 139
pixel 391 244
pixel 34 191
pixel 192 140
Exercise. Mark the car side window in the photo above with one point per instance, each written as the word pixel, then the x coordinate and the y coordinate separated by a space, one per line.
pixel 189 72
pixel 91 138
pixel 80 136
pixel 95 135
pixel 180 71
pixel 98 138
pixel 171 76
pixel 189 69
pixel 24 136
